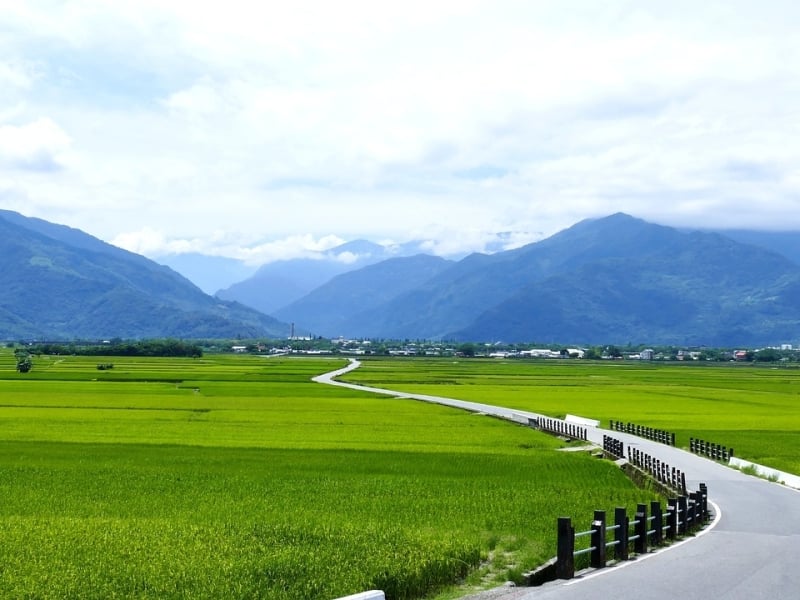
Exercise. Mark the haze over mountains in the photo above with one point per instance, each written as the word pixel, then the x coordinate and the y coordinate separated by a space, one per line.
pixel 279 283
pixel 613 280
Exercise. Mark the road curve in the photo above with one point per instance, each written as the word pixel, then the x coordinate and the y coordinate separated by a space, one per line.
pixel 750 553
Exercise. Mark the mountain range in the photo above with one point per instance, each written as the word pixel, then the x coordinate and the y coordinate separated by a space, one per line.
pixel 616 280
pixel 612 280
pixel 281 282
pixel 60 283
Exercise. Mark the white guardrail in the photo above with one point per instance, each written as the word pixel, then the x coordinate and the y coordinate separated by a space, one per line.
pixel 371 595
pixel 582 421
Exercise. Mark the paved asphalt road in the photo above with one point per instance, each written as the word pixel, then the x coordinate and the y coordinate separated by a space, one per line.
pixel 752 551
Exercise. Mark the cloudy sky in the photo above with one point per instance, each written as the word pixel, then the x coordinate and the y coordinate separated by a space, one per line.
pixel 262 129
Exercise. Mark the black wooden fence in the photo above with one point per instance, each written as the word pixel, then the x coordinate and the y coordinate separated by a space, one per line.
pixel 670 477
pixel 683 515
pixel 656 435
pixel 559 427
pixel 710 450
pixel 613 446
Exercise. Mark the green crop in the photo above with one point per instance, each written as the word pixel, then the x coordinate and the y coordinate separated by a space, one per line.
pixel 755 410
pixel 237 477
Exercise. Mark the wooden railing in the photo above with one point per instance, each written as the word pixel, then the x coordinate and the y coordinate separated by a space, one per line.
pixel 656 435
pixel 670 477
pixel 711 450
pixel 613 446
pixel 559 427
pixel 683 515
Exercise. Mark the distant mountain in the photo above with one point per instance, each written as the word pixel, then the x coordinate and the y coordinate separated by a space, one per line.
pixel 703 289
pixel 613 280
pixel 275 285
pixel 60 283
pixel 451 301
pixel 786 243
pixel 209 273
pixel 344 303
pixel 278 284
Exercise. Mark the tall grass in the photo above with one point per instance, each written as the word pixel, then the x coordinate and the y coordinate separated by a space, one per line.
pixel 755 410
pixel 236 477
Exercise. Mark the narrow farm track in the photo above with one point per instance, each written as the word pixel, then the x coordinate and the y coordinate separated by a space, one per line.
pixel 749 553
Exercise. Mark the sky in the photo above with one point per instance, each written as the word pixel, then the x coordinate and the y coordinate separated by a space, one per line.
pixel 266 130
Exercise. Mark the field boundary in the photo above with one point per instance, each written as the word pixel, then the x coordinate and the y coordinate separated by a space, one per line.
pixel 787 479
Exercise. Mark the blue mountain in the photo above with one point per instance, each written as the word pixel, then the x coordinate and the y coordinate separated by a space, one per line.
pixel 61 283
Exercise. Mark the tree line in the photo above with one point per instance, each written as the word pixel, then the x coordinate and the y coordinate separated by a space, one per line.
pixel 165 347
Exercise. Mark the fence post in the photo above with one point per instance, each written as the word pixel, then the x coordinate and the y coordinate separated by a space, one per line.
pixel 621 533
pixel 598 555
pixel 682 515
pixel 697 506
pixel 704 494
pixel 672 518
pixel 640 545
pixel 565 557
pixel 658 522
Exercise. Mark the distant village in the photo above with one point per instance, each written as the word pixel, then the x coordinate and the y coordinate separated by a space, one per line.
pixel 318 346
pixel 366 347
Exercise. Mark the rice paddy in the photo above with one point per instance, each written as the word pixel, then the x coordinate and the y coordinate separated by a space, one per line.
pixel 237 477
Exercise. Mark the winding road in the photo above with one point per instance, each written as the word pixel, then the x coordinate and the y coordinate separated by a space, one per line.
pixel 751 551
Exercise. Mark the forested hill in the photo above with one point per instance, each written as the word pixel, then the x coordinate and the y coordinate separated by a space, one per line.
pixel 60 283
pixel 612 280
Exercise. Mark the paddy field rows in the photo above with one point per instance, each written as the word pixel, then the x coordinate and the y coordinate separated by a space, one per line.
pixel 753 409
pixel 236 477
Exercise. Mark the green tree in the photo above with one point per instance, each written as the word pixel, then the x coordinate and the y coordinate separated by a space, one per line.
pixel 24 363
pixel 768 355
pixel 592 354
pixel 467 349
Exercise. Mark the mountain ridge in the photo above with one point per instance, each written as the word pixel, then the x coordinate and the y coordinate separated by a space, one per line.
pixel 61 283
pixel 280 283
pixel 615 279
pixel 343 299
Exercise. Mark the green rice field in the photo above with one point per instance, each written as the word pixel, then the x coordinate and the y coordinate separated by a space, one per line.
pixel 237 477
pixel 753 409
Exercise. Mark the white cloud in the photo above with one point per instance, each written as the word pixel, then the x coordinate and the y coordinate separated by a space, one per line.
pixel 367 119
pixel 151 242
pixel 347 258
pixel 295 246
pixel 200 98
pixel 14 76
pixel 156 243
pixel 36 145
